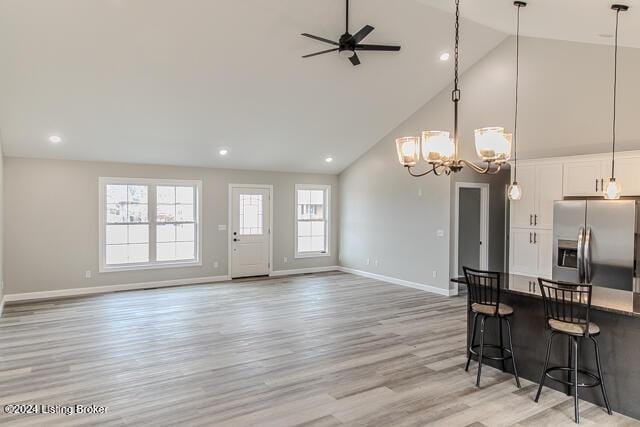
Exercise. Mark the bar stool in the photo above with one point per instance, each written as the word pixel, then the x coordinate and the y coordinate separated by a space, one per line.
pixel 484 301
pixel 566 308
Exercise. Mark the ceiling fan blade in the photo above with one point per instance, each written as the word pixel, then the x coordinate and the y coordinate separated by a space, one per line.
pixel 320 53
pixel 354 59
pixel 377 47
pixel 360 35
pixel 320 39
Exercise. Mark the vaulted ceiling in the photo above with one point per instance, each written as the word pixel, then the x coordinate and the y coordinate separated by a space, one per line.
pixel 170 82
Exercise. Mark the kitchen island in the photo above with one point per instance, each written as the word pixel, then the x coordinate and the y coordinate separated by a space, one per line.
pixel 617 312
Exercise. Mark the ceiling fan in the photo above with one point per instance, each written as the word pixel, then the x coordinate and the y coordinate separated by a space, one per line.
pixel 349 45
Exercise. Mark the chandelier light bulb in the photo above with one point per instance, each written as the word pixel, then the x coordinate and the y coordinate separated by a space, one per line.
pixel 613 190
pixel 408 149
pixel 437 146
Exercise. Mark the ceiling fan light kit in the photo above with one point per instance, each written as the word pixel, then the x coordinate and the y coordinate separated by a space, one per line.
pixel 349 45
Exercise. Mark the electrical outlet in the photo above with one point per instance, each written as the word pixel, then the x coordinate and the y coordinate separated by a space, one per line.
pixel 222 227
pixel 376 263
pixel 87 274
pixel 285 260
pixel 434 273
pixel 367 261
pixel 215 264
pixel 440 233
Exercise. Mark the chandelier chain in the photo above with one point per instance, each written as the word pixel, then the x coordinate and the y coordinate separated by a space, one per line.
pixel 457 47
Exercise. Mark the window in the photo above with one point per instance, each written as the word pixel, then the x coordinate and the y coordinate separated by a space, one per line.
pixel 312 220
pixel 149 223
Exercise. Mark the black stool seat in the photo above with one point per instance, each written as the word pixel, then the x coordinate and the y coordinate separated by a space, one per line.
pixel 573 328
pixel 567 307
pixel 484 303
pixel 490 310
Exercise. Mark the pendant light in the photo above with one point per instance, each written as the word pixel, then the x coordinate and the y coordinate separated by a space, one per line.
pixel 441 151
pixel 613 189
pixel 515 191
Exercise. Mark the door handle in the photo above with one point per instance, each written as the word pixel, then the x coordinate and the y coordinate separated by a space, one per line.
pixel 236 240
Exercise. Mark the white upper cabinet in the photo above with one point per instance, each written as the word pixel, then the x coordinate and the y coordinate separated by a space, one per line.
pixel 522 210
pixel 583 178
pixel 541 186
pixel 627 174
pixel 548 190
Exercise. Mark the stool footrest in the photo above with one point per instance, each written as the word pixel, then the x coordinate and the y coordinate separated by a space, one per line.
pixel 473 351
pixel 570 370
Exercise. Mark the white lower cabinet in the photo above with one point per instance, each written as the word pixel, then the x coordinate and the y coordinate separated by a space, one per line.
pixel 531 252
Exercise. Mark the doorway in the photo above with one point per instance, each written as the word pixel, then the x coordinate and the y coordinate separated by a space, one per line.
pixel 471 240
pixel 250 224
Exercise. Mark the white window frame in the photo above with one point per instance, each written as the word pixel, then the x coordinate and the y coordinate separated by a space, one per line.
pixel 152 202
pixel 327 231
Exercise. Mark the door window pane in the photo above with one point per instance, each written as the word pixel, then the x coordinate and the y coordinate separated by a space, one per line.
pixel 250 214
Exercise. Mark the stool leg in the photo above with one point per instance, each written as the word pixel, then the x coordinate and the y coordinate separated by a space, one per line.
pixel 544 368
pixel 570 342
pixel 575 379
pixel 481 350
pixel 604 393
pixel 473 338
pixel 513 356
pixel 501 344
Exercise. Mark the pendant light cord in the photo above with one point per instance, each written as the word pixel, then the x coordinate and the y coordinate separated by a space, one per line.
pixel 515 120
pixel 615 92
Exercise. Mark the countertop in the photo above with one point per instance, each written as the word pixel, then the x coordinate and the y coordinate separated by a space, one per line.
pixel 604 299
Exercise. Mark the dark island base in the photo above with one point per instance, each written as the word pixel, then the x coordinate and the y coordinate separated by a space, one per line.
pixel 619 342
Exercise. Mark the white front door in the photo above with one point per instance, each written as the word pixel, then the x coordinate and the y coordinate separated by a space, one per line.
pixel 250 233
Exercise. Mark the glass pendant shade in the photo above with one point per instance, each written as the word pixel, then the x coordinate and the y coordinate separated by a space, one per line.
pixel 437 147
pixel 493 145
pixel 408 150
pixel 613 190
pixel 515 191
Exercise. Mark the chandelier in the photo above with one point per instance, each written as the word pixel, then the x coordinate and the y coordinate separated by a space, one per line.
pixel 442 152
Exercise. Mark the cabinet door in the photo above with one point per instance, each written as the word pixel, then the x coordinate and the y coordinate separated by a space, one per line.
pixel 544 243
pixel 627 174
pixel 523 209
pixel 548 190
pixel 582 178
pixel 524 253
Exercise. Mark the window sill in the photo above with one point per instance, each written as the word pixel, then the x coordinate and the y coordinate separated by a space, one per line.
pixel 150 266
pixel 312 255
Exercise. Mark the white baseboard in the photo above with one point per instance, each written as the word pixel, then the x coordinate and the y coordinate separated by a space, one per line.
pixel 31 296
pixel 304 270
pixel 421 286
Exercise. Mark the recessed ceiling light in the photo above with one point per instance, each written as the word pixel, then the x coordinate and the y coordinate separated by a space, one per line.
pixel 54 139
pixel 223 151
pixel 329 159
pixel 444 56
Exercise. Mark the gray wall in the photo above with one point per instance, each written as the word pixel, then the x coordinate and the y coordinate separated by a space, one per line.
pixel 1 222
pixel 52 221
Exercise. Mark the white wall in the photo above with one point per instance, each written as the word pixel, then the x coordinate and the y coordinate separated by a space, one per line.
pixel 52 216
pixel 565 109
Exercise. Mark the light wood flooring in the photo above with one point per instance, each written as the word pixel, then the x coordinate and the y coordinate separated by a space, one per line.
pixel 316 350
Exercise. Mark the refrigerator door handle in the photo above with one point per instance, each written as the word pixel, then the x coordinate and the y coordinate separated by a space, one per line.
pixel 587 256
pixel 581 255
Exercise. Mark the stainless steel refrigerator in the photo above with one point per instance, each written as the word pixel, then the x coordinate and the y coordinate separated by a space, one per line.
pixel 596 241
